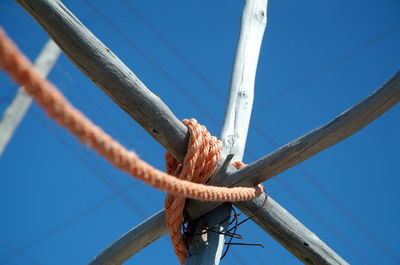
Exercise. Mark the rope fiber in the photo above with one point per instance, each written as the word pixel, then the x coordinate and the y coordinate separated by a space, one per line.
pixel 181 180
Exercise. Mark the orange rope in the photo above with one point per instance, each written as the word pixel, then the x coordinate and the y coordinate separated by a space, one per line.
pixel 200 161
pixel 203 154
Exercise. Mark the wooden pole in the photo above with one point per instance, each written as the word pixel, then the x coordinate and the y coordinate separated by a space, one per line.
pixel 16 111
pixel 110 74
pixel 207 246
pixel 308 145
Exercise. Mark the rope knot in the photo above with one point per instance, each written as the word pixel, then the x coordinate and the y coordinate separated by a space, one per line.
pixel 200 162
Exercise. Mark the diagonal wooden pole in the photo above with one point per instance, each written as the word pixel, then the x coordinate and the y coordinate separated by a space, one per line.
pixel 341 127
pixel 110 74
pixel 16 111
pixel 207 246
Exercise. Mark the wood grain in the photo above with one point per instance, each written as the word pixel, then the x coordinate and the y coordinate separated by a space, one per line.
pixel 234 130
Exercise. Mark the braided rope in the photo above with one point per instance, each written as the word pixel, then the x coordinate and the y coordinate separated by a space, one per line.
pixel 200 161
pixel 203 154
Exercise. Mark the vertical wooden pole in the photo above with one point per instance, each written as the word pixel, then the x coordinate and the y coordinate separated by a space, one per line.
pixel 207 246
pixel 16 111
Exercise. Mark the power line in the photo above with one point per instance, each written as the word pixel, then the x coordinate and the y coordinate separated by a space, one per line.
pixel 5 100
pixel 314 181
pixel 161 70
pixel 324 221
pixel 172 48
pixel 67 223
pixel 100 113
pixel 326 67
pixel 94 169
pixel 19 253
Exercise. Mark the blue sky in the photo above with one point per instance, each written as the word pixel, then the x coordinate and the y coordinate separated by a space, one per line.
pixel 62 204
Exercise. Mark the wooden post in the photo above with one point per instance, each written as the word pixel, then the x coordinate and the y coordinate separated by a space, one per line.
pixel 16 111
pixel 207 247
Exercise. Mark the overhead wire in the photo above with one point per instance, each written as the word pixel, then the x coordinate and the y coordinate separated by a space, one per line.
pixel 23 255
pixel 16 26
pixel 52 231
pixel 172 48
pixel 5 100
pixel 351 246
pixel 157 66
pixel 100 114
pixel 96 170
pixel 326 67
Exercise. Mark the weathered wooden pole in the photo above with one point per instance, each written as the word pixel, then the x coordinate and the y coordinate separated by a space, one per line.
pixel 207 248
pixel 16 111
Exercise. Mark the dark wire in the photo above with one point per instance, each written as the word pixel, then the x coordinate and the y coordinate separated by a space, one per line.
pixel 160 69
pixel 326 67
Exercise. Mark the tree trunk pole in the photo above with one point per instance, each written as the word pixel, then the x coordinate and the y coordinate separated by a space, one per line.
pixel 16 111
pixel 207 246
